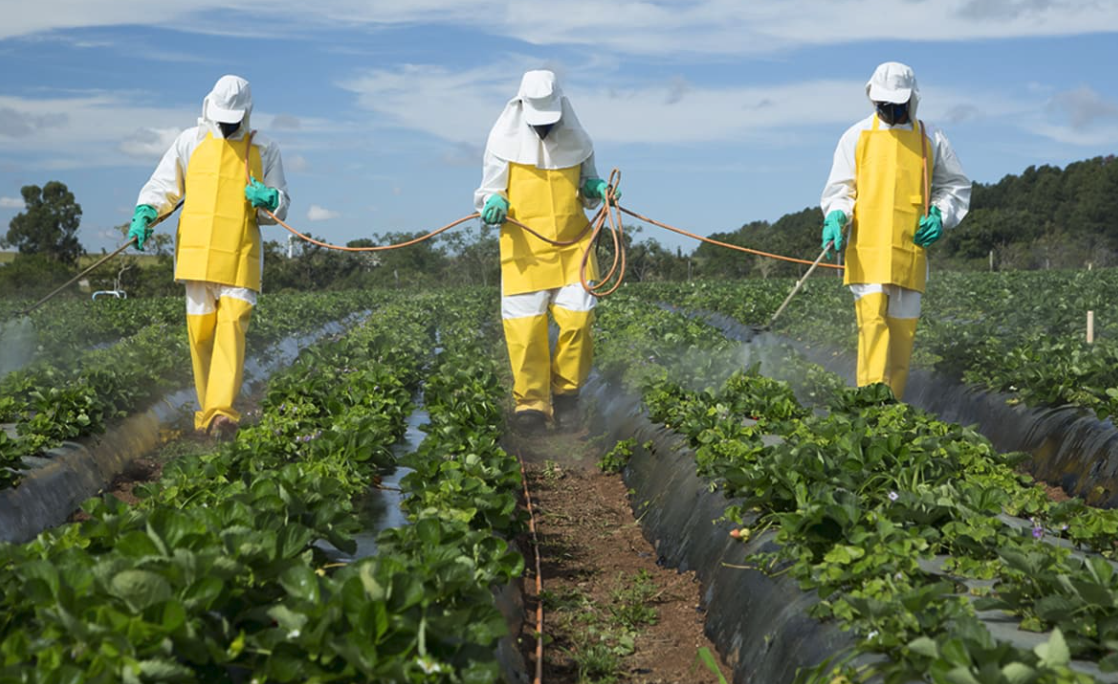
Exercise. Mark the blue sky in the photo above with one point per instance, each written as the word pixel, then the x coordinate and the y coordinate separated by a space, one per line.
pixel 717 112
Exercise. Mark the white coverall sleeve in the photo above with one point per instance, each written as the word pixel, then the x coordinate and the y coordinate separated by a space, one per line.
pixel 588 170
pixel 272 164
pixel 494 180
pixel 165 189
pixel 951 188
pixel 841 189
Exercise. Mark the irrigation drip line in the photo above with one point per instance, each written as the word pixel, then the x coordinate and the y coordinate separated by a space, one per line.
pixel 539 574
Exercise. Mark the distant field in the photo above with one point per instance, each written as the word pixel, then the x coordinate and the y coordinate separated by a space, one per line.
pixel 142 259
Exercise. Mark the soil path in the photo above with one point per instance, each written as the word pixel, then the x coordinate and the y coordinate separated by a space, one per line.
pixel 611 614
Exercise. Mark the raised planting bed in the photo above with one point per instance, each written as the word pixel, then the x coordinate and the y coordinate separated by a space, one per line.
pixel 912 537
pixel 1069 446
pixel 54 482
pixel 217 573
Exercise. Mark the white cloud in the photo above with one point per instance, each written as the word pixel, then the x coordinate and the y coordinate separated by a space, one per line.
pixel 317 213
pixel 286 121
pixel 100 128
pixel 11 203
pixel 149 143
pixel 17 124
pixel 630 27
pixel 417 97
pixel 86 130
pixel 1084 107
pixel 1080 116
pixel 296 163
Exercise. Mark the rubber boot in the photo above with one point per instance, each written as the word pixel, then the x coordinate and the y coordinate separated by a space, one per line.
pixel 574 351
pixel 200 330
pixel 227 365
pixel 528 347
pixel 873 338
pixel 902 335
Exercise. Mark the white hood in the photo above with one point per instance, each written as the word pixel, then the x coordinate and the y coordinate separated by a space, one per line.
pixel 229 101
pixel 894 82
pixel 539 98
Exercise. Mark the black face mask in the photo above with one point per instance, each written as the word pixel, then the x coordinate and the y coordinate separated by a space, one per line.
pixel 542 131
pixel 228 129
pixel 892 113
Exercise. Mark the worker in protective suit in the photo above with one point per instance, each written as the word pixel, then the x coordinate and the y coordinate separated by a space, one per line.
pixel 218 254
pixel 881 168
pixel 539 170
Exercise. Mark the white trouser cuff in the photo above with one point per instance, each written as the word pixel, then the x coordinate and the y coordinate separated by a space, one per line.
pixel 571 297
pixel 903 303
pixel 201 297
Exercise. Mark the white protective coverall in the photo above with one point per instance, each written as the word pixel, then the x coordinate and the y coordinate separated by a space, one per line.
pixel 218 251
pixel 876 180
pixel 541 179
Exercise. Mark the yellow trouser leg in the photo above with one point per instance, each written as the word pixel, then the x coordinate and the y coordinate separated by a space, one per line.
pixel 227 365
pixel 529 356
pixel 873 338
pixel 574 351
pixel 200 330
pixel 902 334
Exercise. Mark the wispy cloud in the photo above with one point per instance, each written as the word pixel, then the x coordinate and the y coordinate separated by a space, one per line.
pixel 286 121
pixel 672 111
pixel 11 203
pixel 17 124
pixel 643 27
pixel 1084 107
pixel 296 163
pixel 149 143
pixel 317 213
pixel 96 129
pixel 104 128
pixel 1080 116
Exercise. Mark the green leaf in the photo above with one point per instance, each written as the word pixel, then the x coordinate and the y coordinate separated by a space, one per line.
pixel 373 588
pixel 1054 609
pixel 174 615
pixel 706 658
pixel 140 588
pixel 287 618
pixel 137 545
pixel 164 670
pixel 202 594
pixel 961 675
pixel 428 531
pixel 1055 652
pixel 1018 673
pixel 293 539
pixel 41 570
pixel 925 646
pixel 300 582
pixel 843 554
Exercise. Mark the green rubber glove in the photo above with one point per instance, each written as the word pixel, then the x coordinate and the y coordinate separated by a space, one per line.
pixel 832 229
pixel 495 210
pixel 141 224
pixel 261 195
pixel 595 188
pixel 931 228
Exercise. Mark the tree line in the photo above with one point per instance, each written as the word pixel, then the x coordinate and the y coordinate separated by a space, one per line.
pixel 1045 217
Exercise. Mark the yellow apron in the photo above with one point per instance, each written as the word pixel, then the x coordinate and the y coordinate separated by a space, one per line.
pixel 218 240
pixel 547 200
pixel 887 210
